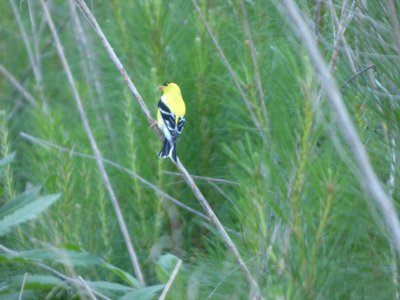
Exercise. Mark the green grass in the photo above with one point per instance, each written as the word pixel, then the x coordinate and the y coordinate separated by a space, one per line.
pixel 300 217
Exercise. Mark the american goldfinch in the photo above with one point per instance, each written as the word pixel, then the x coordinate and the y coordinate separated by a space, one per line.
pixel 170 118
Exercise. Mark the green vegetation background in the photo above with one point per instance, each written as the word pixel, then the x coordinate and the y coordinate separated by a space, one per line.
pixel 298 214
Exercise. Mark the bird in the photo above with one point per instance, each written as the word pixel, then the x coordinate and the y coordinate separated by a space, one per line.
pixel 170 118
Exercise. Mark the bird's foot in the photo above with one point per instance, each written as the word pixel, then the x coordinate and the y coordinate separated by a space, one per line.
pixel 153 123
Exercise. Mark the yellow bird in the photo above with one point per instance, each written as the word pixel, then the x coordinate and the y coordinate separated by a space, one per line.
pixel 170 118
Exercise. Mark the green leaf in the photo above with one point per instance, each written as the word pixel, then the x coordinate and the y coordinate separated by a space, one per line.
pixel 165 265
pixel 12 295
pixel 145 293
pixel 36 281
pixel 22 209
pixel 110 289
pixel 55 255
pixel 128 278
pixel 19 201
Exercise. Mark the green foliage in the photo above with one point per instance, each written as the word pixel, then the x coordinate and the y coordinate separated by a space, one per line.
pixel 291 200
pixel 24 207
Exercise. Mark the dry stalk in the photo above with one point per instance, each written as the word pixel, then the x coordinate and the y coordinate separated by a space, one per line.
pixel 21 292
pixel 170 280
pixel 368 177
pixel 203 202
pixel 88 289
pixel 95 149
pixel 28 97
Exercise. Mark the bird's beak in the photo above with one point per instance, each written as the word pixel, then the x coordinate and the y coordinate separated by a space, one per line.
pixel 161 88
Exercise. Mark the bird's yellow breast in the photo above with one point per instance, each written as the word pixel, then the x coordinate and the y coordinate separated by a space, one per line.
pixel 175 103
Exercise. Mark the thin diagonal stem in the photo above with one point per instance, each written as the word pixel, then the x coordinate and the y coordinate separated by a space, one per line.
pixel 170 280
pixel 21 292
pixel 95 149
pixel 92 296
pixel 28 97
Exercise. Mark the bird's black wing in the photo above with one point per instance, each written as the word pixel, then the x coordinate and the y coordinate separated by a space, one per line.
pixel 168 117
pixel 181 122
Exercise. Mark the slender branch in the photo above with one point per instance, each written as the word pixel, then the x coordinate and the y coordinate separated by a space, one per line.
pixel 253 54
pixel 56 273
pixel 203 202
pixel 170 280
pixel 21 292
pixel 246 100
pixel 92 296
pixel 205 178
pixel 356 75
pixel 394 23
pixel 18 86
pixel 368 177
pixel 95 149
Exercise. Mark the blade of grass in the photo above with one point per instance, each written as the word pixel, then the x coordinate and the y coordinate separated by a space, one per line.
pixel 95 149
pixel 21 292
pixel 202 200
pixel 205 178
pixel 92 296
pixel 170 280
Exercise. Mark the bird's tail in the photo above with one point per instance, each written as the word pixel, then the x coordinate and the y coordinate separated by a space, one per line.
pixel 168 150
